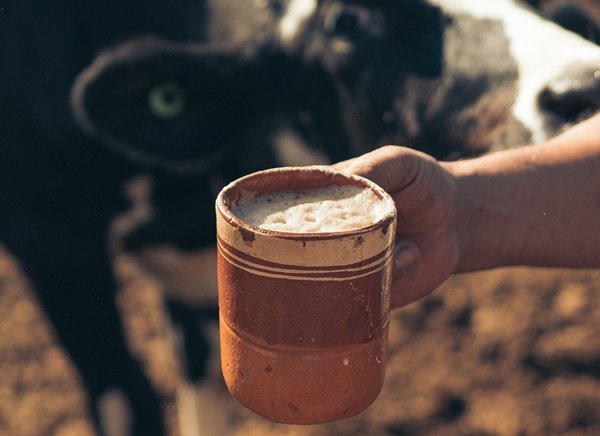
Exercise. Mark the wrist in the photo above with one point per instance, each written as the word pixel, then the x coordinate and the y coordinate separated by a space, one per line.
pixel 483 218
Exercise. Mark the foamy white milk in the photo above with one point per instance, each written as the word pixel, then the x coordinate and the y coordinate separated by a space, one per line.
pixel 334 208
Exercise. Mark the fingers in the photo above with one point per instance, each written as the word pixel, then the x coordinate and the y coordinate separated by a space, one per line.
pixel 413 283
pixel 409 288
pixel 417 271
pixel 407 285
pixel 406 255
pixel 391 167
pixel 382 166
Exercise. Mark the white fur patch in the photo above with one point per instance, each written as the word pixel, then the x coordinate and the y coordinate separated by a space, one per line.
pixel 213 401
pixel 115 413
pixel 205 409
pixel 291 150
pixel 187 277
pixel 137 190
pixel 187 415
pixel 298 11
pixel 541 49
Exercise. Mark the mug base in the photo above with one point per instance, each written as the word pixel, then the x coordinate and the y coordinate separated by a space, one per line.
pixel 303 385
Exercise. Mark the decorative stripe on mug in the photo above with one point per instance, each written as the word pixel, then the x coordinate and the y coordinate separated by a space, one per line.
pixel 294 272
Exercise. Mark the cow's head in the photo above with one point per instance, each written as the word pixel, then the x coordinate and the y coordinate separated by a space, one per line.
pixel 174 106
pixel 193 115
pixel 350 38
pixel 451 77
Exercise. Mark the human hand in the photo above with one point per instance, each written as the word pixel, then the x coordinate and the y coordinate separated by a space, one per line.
pixel 427 244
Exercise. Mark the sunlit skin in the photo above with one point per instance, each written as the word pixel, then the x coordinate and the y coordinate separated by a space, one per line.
pixel 537 205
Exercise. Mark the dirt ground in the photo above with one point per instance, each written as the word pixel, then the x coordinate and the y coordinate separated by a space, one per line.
pixel 508 352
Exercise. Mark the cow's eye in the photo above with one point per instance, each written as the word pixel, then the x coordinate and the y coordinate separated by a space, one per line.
pixel 347 19
pixel 167 101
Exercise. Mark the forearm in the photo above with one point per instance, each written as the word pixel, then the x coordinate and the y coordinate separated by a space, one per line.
pixel 537 205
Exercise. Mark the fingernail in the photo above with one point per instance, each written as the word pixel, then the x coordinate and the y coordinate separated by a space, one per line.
pixel 406 256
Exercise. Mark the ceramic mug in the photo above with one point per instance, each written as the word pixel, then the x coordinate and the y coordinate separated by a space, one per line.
pixel 303 316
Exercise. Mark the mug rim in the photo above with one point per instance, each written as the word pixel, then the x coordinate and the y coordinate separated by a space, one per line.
pixel 333 176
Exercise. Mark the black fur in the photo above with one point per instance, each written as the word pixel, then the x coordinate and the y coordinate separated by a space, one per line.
pixel 580 17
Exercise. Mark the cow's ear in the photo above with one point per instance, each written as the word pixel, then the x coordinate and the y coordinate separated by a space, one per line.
pixel 167 104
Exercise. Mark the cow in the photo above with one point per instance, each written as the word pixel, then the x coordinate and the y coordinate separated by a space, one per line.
pixel 452 78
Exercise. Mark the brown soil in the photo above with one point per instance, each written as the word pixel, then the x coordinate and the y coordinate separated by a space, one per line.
pixel 507 352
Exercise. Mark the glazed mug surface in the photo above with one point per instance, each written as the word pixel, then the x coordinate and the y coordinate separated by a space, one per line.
pixel 303 316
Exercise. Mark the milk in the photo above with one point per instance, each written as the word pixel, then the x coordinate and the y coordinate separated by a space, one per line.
pixel 334 208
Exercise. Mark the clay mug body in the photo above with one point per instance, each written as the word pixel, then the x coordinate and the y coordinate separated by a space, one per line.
pixel 303 316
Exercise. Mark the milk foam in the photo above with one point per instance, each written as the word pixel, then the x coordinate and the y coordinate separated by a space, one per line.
pixel 333 208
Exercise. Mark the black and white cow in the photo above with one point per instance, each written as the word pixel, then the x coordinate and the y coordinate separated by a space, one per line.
pixel 454 78
pixel 191 116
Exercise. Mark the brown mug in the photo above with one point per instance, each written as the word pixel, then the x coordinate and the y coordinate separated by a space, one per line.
pixel 303 316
